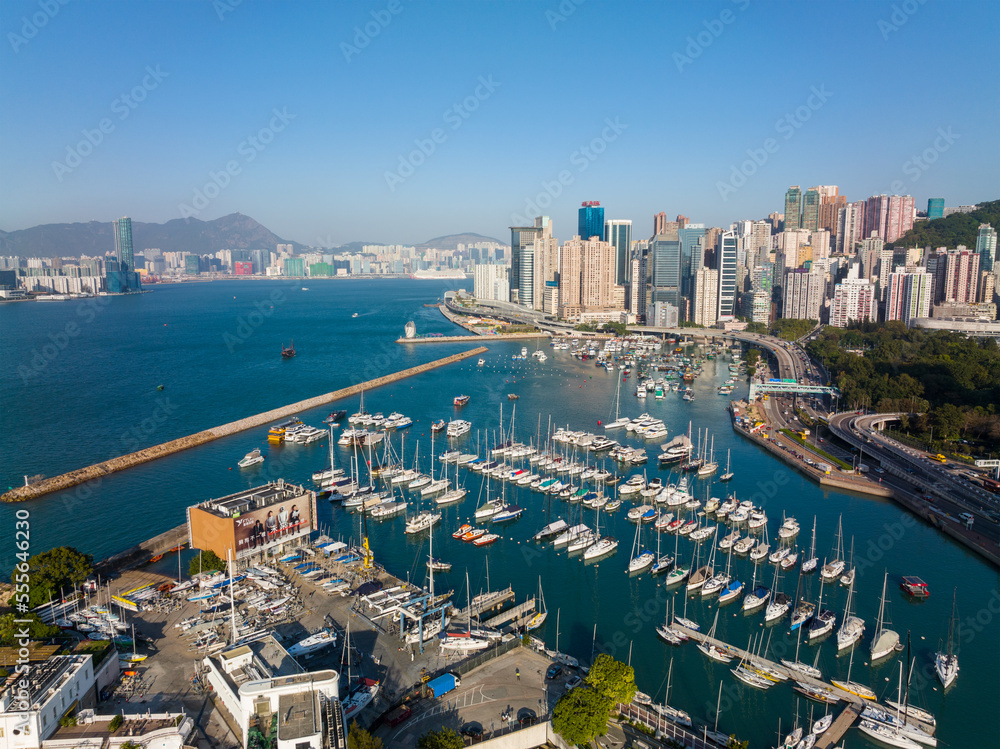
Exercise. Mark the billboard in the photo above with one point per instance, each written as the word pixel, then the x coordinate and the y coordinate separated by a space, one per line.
pixel 275 524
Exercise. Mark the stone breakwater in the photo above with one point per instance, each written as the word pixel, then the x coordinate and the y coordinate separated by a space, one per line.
pixel 99 470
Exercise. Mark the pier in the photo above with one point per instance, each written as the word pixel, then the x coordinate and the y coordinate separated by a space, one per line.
pixel 481 339
pixel 490 601
pixel 100 470
pixel 521 610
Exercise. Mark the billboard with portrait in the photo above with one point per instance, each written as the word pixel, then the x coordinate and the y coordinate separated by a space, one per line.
pixel 275 524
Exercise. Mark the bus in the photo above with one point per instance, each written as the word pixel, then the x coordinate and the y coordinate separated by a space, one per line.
pixel 991 485
pixel 939 458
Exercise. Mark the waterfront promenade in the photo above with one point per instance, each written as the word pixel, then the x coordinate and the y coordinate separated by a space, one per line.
pixel 96 471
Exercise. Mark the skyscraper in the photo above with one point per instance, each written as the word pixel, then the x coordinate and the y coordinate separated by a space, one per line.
pixel 793 208
pixel 889 216
pixel 986 246
pixel 850 226
pixel 908 295
pixel 961 277
pixel 853 300
pixel 491 282
pixel 619 233
pixel 123 244
pixel 587 279
pixel 726 265
pixel 665 259
pixel 803 295
pixel 591 221
pixel 637 283
pixel 520 238
pixel 706 296
pixel 659 223
pixel 691 237
pixel 810 209
pixel 545 269
pixel 935 208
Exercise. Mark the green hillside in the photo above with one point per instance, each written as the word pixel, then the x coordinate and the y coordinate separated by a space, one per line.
pixel 956 229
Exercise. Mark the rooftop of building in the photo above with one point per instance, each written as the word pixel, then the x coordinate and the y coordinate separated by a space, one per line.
pixel 268 660
pixel 252 499
pixel 133 726
pixel 44 680
pixel 297 715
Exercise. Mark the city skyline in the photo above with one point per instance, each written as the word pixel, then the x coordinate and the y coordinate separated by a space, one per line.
pixel 312 143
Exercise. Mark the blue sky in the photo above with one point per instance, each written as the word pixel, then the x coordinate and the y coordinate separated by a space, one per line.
pixel 309 116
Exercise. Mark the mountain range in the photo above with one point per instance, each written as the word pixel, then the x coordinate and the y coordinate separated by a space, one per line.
pixel 235 231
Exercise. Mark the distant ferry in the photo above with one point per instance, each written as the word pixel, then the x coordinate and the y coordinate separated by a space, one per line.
pixel 287 352
pixel 426 275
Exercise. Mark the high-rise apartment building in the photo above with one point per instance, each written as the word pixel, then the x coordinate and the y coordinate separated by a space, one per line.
pixel 619 233
pixel 888 216
pixel 521 238
pixel 908 295
pixel 587 279
pixel 545 269
pixel 659 223
pixel 935 208
pixel 591 220
pixel 987 287
pixel 803 294
pixel 850 226
pixel 986 246
pixel 793 208
pixel 706 297
pixel 491 282
pixel 810 209
pixel 726 265
pixel 853 301
pixel 961 276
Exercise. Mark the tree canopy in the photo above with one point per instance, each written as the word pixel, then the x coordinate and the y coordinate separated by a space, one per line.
pixel 37 629
pixel 444 738
pixel 953 230
pixel 359 738
pixel 57 569
pixel 581 715
pixel 955 380
pixel 612 679
pixel 206 561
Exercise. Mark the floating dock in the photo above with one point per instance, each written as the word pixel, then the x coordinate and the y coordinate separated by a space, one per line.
pixel 500 338
pixel 99 470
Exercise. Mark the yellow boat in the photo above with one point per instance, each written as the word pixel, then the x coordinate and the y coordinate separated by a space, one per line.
pixel 854 688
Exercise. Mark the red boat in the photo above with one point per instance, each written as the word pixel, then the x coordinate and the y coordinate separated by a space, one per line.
pixel 915 587
pixel 474 534
pixel 462 531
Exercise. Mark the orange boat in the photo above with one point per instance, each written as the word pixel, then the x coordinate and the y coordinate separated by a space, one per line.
pixel 157 558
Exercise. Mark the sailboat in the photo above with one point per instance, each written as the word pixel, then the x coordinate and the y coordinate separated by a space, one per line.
pixel 779 604
pixel 668 633
pixel 810 562
pixel 852 686
pixel 728 475
pixel 733 587
pixel 847 579
pixel 678 573
pixel 946 663
pixel 885 640
pixel 707 468
pixel 464 641
pixel 540 616
pixel 758 594
pixel 620 421
pixel 721 654
pixel 835 568
pixel 602 546
pixel 663 562
pixel 823 621
pixel 641 558
pixel 672 713
pixel 853 627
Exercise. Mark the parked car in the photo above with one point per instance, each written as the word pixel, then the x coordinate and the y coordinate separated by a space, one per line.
pixel 553 671
pixel 573 683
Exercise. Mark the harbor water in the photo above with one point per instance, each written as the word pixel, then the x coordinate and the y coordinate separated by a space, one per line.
pixel 79 383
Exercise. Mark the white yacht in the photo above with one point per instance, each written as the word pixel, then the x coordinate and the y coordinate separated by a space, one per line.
pixel 252 458
pixel 313 642
pixel 458 427
pixel 421 522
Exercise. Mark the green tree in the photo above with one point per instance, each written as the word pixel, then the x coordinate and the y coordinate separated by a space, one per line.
pixel 359 738
pixel 444 738
pixel 581 715
pixel 115 723
pixel 37 629
pixel 735 743
pixel 612 679
pixel 206 562
pixel 54 570
pixel 618 328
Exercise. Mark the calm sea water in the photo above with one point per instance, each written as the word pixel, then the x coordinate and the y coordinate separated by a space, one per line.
pixel 78 384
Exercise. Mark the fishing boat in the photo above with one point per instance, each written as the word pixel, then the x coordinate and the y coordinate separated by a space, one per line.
pixel 288 352
pixel 946 662
pixel 251 458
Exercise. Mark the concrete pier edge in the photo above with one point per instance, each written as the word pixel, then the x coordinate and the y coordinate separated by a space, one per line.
pixel 99 470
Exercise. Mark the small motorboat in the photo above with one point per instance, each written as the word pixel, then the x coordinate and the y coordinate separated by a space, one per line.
pixel 461 400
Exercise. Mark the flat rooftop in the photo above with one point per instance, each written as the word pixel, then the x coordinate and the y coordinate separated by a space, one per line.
pixel 297 716
pixel 252 499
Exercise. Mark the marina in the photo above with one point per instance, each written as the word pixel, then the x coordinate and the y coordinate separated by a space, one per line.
pixel 594 606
